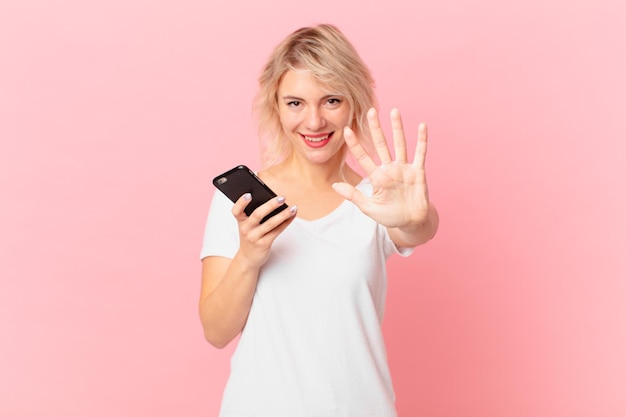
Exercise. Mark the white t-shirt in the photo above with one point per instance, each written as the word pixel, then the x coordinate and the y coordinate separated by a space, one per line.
pixel 312 345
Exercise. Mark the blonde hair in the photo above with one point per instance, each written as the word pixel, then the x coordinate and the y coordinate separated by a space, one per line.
pixel 325 52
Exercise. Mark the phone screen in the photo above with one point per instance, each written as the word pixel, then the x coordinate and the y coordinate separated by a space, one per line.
pixel 240 180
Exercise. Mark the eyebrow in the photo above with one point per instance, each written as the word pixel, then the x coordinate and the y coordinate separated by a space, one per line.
pixel 327 96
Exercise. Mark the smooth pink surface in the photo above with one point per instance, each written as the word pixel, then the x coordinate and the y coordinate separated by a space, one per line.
pixel 115 115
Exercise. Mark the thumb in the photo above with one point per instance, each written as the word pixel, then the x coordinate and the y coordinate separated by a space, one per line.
pixel 350 193
pixel 344 189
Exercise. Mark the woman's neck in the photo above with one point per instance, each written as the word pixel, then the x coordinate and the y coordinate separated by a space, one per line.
pixel 314 176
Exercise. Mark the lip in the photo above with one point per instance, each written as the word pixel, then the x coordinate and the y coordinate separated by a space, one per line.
pixel 319 143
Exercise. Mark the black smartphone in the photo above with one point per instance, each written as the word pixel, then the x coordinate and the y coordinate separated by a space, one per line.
pixel 240 180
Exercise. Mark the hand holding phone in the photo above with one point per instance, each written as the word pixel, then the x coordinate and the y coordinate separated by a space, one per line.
pixel 240 180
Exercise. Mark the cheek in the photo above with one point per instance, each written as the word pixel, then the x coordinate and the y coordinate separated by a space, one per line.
pixel 343 116
pixel 289 121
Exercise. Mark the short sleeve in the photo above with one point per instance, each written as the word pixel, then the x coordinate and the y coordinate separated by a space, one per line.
pixel 391 248
pixel 221 234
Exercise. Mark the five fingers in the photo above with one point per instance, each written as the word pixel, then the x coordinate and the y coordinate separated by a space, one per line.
pixel 380 143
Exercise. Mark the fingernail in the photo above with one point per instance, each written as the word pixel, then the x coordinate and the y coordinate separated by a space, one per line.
pixel 280 199
pixel 293 209
pixel 247 197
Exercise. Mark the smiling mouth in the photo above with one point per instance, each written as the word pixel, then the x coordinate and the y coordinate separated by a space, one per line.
pixel 317 139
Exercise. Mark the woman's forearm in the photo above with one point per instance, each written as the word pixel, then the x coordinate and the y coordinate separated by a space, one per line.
pixel 224 306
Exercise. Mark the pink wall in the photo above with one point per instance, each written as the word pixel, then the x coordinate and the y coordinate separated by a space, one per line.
pixel 115 115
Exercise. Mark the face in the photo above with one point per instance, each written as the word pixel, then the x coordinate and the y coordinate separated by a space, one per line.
pixel 312 117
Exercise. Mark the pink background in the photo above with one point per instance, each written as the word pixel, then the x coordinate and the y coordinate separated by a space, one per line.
pixel 115 115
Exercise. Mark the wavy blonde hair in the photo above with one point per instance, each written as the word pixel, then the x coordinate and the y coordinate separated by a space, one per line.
pixel 325 52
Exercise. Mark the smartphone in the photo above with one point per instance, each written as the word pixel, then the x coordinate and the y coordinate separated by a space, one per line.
pixel 240 180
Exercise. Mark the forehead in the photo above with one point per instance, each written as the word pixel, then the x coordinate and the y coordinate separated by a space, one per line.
pixel 303 83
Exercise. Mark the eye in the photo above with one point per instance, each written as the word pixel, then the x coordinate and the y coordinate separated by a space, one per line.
pixel 334 101
pixel 294 104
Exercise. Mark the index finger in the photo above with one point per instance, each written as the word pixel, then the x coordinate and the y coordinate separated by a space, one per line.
pixel 271 207
pixel 357 151
pixel 240 205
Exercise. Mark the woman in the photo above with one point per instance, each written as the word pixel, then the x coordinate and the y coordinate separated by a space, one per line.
pixel 306 289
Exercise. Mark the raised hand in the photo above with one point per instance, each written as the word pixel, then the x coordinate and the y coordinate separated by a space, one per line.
pixel 399 190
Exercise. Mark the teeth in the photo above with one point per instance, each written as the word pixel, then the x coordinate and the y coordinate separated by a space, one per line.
pixel 316 139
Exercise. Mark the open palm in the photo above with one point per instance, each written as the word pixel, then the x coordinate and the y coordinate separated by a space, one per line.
pixel 399 189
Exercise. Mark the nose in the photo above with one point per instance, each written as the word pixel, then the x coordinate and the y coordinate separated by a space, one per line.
pixel 315 119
